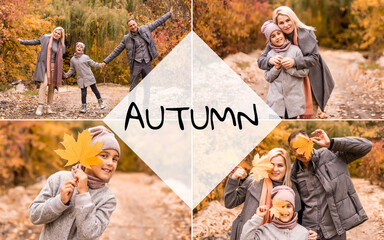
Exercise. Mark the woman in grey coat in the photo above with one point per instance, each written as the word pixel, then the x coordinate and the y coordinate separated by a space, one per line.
pixel 298 33
pixel 49 66
pixel 243 188
pixel 81 64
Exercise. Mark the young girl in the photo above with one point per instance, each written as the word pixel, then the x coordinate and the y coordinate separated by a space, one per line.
pixel 81 64
pixel 49 66
pixel 286 91
pixel 77 204
pixel 243 188
pixel 284 227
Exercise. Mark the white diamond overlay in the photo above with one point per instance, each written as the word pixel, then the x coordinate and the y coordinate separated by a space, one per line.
pixel 195 81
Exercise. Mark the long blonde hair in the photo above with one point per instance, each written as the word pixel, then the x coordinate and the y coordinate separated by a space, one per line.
pixel 285 155
pixel 284 10
pixel 62 39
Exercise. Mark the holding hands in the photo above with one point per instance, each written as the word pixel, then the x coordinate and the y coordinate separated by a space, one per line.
pixel 279 61
pixel 103 65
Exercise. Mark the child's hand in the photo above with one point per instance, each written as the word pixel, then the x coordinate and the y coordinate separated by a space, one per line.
pixel 82 181
pixel 312 235
pixel 103 65
pixel 275 60
pixel 65 75
pixel 287 62
pixel 261 211
pixel 67 190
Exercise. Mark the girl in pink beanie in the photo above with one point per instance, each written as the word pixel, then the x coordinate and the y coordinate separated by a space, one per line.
pixel 77 204
pixel 284 224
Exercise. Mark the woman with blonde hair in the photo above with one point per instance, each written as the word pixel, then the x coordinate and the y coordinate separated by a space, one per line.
pixel 243 188
pixel 319 83
pixel 49 66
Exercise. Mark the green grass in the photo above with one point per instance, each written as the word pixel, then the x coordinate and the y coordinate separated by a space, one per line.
pixel 370 66
pixel 4 87
pixel 31 92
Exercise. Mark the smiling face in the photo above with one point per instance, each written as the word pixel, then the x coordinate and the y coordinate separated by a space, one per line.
pixel 301 157
pixel 132 26
pixel 79 48
pixel 105 170
pixel 279 169
pixel 57 34
pixel 289 213
pixel 285 24
pixel 277 38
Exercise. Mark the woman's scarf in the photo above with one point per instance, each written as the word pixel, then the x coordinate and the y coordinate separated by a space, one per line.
pixel 282 48
pixel 93 182
pixel 307 88
pixel 290 225
pixel 57 73
pixel 266 198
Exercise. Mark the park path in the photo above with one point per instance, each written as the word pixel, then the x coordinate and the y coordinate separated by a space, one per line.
pixel 147 209
pixel 358 92
pixel 215 221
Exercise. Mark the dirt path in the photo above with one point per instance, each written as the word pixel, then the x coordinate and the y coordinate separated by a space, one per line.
pixel 215 221
pixel 146 209
pixel 358 92
pixel 19 103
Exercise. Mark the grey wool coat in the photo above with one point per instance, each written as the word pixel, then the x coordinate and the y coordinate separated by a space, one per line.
pixel 248 192
pixel 253 231
pixel 331 168
pixel 82 67
pixel 286 89
pixel 128 43
pixel 41 65
pixel 320 77
pixel 86 217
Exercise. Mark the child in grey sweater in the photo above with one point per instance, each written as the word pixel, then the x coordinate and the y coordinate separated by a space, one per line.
pixel 283 227
pixel 81 64
pixel 77 204
pixel 286 91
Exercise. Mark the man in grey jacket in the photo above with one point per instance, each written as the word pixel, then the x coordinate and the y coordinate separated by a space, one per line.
pixel 330 202
pixel 140 48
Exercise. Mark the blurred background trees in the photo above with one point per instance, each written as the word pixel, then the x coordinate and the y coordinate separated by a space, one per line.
pixel 100 24
pixel 229 26
pixel 27 150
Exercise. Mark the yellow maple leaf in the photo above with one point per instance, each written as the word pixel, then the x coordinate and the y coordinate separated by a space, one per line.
pixel 80 151
pixel 261 167
pixel 303 146
pixel 278 207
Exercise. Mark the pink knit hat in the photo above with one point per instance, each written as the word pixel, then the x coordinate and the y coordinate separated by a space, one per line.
pixel 102 134
pixel 284 193
pixel 268 28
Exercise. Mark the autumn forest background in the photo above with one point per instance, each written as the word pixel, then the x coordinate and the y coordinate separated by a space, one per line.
pixel 229 26
pixel 100 24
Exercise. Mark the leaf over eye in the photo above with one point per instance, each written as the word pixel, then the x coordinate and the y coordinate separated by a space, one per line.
pixel 278 207
pixel 261 167
pixel 80 151
pixel 303 146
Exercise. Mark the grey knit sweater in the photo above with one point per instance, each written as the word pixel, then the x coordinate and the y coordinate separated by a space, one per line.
pixel 86 217
pixel 253 231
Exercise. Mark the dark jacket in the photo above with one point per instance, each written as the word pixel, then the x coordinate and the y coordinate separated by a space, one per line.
pixel 41 65
pixel 320 77
pixel 249 193
pixel 331 168
pixel 128 43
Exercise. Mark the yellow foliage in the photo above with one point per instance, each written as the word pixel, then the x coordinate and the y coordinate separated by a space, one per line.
pixel 278 207
pixel 303 146
pixel 261 167
pixel 80 151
